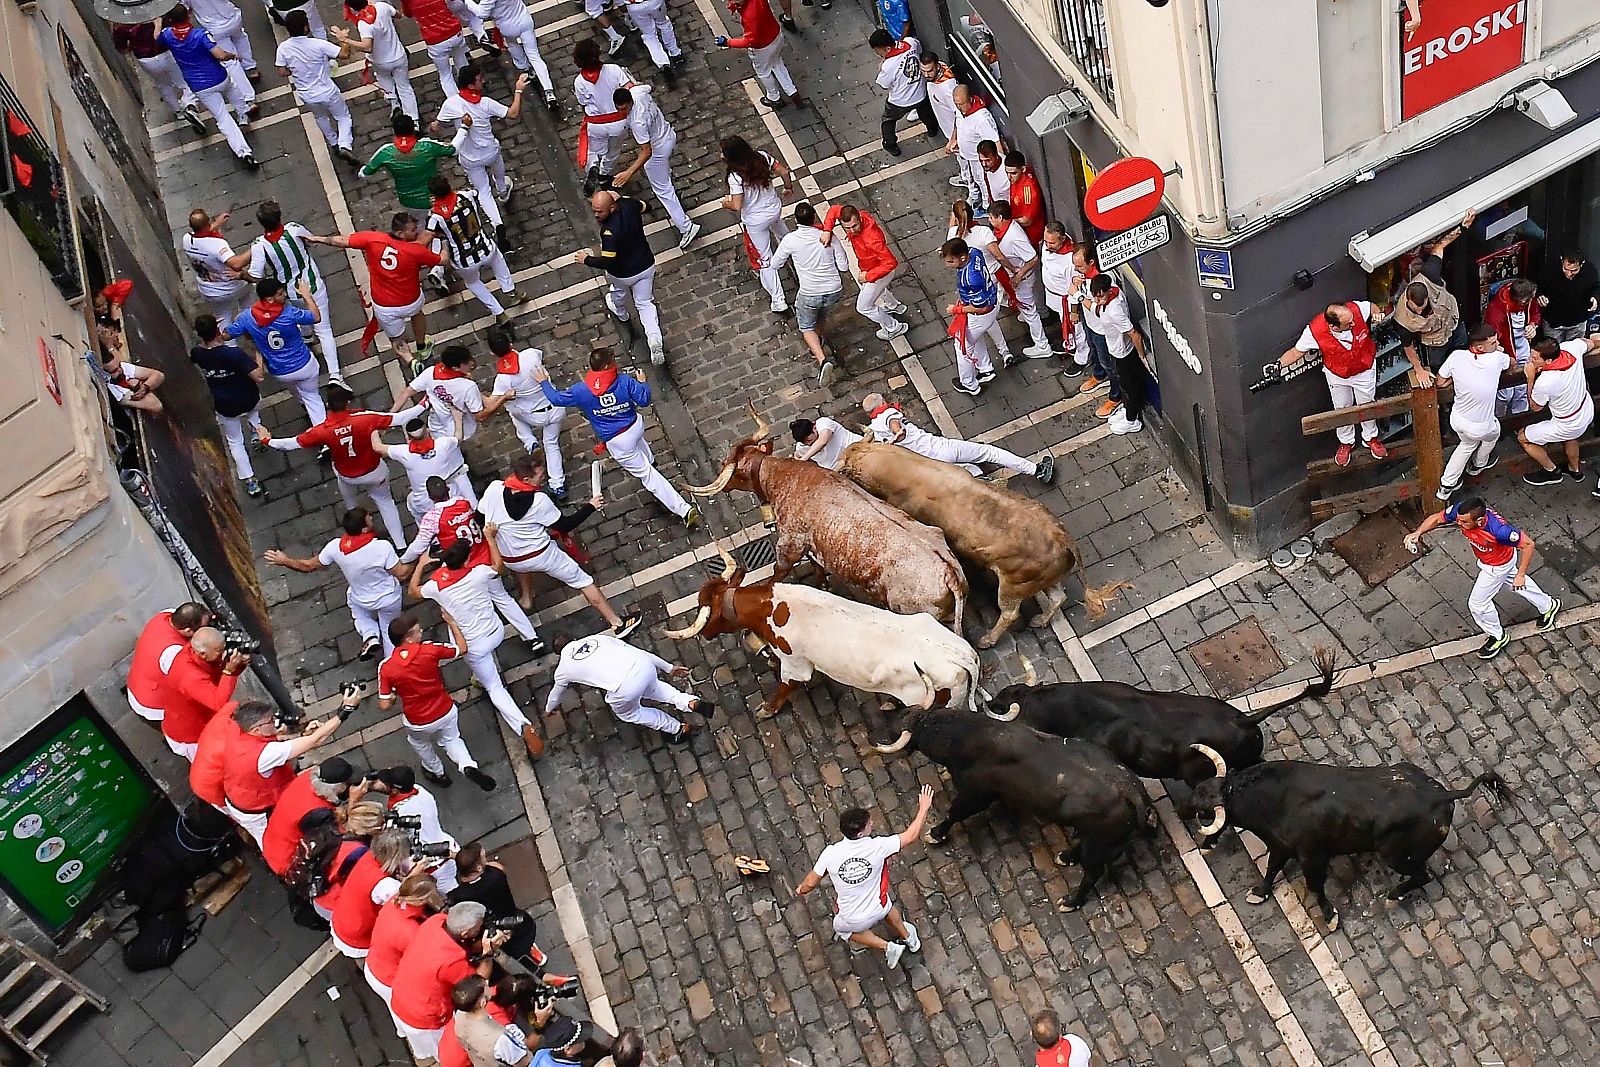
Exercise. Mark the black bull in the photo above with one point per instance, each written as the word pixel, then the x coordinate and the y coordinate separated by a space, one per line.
pixel 1077 785
pixel 1313 812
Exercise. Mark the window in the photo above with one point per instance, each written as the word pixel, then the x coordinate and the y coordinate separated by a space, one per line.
pixel 1081 28
pixel 33 186
pixel 972 42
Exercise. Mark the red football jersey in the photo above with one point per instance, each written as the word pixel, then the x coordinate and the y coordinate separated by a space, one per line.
pixel 348 437
pixel 395 267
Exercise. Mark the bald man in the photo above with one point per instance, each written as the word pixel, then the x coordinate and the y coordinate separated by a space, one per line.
pixel 624 254
pixel 973 126
pixel 217 268
pixel 201 679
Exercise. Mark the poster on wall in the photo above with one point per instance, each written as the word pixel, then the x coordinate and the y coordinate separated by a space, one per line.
pixel 71 798
pixel 1460 45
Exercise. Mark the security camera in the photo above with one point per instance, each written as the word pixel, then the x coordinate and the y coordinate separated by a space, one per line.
pixel 1057 112
pixel 1544 104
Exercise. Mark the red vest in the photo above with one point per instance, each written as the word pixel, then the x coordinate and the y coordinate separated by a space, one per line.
pixel 145 676
pixel 241 775
pixel 205 773
pixel 392 931
pixel 1340 361
pixel 330 899
pixel 283 835
pixel 355 913
pixel 451 1054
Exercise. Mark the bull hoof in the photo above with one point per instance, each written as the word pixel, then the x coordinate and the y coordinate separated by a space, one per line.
pixel 1255 896
pixel 1333 922
pixel 987 642
pixel 934 837
pixel 764 712
pixel 1064 858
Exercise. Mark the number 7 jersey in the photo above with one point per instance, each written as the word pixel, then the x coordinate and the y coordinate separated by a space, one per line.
pixel 348 437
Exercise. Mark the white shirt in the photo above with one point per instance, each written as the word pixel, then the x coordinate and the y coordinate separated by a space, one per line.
pixel 943 96
pixel 209 257
pixel 1016 247
pixel 387 48
pixel 467 601
pixel 597 97
pixel 511 16
pixel 443 461
pixel 761 204
pixel 859 872
pixel 1056 270
pixel 997 181
pixel 266 264
pixel 310 63
pixel 131 371
pixel 274 754
pixel 839 439
pixel 973 129
pixel 1476 378
pixel 215 14
pixel 648 124
pixel 481 143
pixel 818 267
pixel 604 662
pixel 366 570
pixel 518 537
pixel 901 74
pixel 530 399
pixel 886 422
pixel 1308 343
pixel 1111 322
pixel 422 804
pixel 1564 392
pixel 447 396
pixel 979 237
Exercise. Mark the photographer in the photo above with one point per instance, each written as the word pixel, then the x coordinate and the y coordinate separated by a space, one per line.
pixel 397 924
pixel 257 765
pixel 446 949
pixel 163 637
pixel 415 808
pixel 329 785
pixel 328 850
pixel 522 996
pixel 483 880
pixel 373 880
pixel 474 1037
pixel 200 680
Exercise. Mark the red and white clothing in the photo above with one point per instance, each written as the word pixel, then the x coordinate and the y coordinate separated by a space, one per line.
pixel 1015 246
pixel 309 61
pixel 194 690
pixel 389 58
pixel 357 466
pixel 122 378
pixel 1070 1051
pixel 626 675
pixel 1028 205
pixel 440 29
pixel 420 804
pixel 374 594
pixel 649 126
pixel 878 266
pixel 480 153
pixel 225 295
pixel 392 933
pixel 283 835
pixel 367 888
pixel 430 967
pixel 996 183
pixel 432 457
pixel 600 141
pixel 1496 544
pixel 972 128
pixel 941 92
pixel 888 423
pixel 516 28
pixel 536 420
pixel 446 521
pixel 449 393
pixel 1475 377
pixel 1348 362
pixel 859 871
pixel 761 213
pixel 255 772
pixel 395 269
pixel 764 38
pixel 900 74
pixel 411 673
pixel 1561 387
pixel 211 757
pixel 468 595
pixel 523 517
pixel 1056 273
pixel 158 645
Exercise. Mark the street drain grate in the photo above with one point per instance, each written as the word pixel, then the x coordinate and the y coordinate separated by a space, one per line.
pixel 1238 659
pixel 751 557
pixel 1375 547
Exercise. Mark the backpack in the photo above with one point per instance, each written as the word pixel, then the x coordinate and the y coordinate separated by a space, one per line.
pixel 162 937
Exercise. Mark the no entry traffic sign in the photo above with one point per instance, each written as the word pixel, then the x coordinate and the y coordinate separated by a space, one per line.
pixel 1124 194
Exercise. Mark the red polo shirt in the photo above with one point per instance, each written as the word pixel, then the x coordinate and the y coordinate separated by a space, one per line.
pixel 433 963
pixel 411 672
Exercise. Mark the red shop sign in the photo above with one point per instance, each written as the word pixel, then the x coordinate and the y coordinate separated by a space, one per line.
pixel 1460 46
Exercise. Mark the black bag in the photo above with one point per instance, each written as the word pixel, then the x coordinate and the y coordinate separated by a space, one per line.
pixel 162 937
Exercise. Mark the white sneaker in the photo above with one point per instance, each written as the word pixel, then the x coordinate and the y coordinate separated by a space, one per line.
pixel 958 182
pixel 889 333
pixel 913 942
pixel 504 195
pixel 896 950
pixel 658 355
pixel 613 46
pixel 1119 423
pixel 689 235
pixel 897 309
pixel 616 312
pixel 1043 351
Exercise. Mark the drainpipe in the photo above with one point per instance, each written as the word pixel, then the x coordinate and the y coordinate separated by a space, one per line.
pixel 1210 203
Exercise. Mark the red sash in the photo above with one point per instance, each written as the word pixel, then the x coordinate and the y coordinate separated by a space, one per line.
pixel 583 134
pixel 751 252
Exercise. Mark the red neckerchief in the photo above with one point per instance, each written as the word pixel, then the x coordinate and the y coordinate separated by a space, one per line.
pixel 273 235
pixel 942 74
pixel 421 446
pixel 510 363
pixel 405 142
pixel 264 313
pixel 1563 361
pixel 975 105
pixel 441 373
pixel 368 14
pixel 1000 228
pixel 899 49
pixel 182 30
pixel 445 205
pixel 117 376
pixel 445 576
pixel 1110 296
pixel 517 485
pixel 472 96
pixel 210 233
pixel 396 798
pixel 349 543
pixel 601 381
pixel 591 76
pixel 887 407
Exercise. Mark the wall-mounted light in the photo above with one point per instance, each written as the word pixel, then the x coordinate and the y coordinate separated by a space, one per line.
pixel 1058 111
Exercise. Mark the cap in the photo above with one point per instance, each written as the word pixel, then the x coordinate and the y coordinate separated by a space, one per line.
pixel 401 778
pixel 336 771
pixel 560 1032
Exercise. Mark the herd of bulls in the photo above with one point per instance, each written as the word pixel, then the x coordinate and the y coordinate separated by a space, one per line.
pixel 896 527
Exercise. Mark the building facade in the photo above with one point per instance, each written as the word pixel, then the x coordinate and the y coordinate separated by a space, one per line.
pixel 1310 146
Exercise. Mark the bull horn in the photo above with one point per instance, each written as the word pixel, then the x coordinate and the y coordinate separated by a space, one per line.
pixel 927 683
pixel 897 745
pixel 1011 713
pixel 1215 757
pixel 763 429
pixel 1219 819
pixel 700 621
pixel 1029 675
pixel 717 486
pixel 729 564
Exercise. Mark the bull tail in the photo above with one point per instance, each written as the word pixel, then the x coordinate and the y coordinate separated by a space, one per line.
pixel 1494 785
pixel 1096 598
pixel 1324 659
pixel 977 699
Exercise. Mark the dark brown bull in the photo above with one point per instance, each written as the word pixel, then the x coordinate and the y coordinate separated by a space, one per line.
pixel 897 562
pixel 1026 548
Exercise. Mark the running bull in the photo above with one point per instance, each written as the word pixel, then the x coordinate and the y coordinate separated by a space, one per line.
pixel 1312 813
pixel 899 563
pixel 1027 549
pixel 911 658
pixel 1154 734
pixel 1076 784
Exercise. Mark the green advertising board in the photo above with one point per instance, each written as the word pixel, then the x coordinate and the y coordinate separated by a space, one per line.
pixel 71 797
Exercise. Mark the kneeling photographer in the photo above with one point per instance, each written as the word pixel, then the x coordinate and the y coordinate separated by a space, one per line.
pixel 414 810
pixel 258 763
pixel 483 880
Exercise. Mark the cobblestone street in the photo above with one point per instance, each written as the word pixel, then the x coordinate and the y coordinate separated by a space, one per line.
pixel 623 846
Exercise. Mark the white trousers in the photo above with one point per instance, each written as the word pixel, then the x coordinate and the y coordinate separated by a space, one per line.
pixel 443 734
pixel 217 100
pixel 227 308
pixel 640 291
pixel 1027 289
pixel 955 450
pixel 765 235
pixel 487 672
pixel 543 428
pixel 605 142
pixel 488 178
pixel 373 620
pixel 625 703
pixel 304 384
pixel 386 995
pixel 424 1043
pixel 511 611
pixel 233 433
pixel 983 338
pixel 472 278
pixel 1490 581
pixel 333 119
pixel 183 748
pixel 523 44
pixel 658 171
pixel 659 37
pixel 448 55
pixel 1347 392
pixel 877 303
pixel 971 172
pixel 322 329
pixel 632 453
pixel 230 35
pixel 395 83
pixel 313 19
pixel 771 71
pixel 163 71
pixel 376 485
pixel 1475 449
pixel 254 825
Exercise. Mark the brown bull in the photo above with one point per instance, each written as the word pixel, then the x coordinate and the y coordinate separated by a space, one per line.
pixel 899 563
pixel 1028 550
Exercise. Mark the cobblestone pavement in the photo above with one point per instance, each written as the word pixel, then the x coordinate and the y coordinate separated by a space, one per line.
pixel 1490 964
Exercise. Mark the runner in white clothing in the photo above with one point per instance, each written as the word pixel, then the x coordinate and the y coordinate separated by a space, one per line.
pixel 455 403
pixel 822 441
pixel 627 676
pixel 973 124
pixel 900 74
pixel 660 39
pixel 600 137
pixel 516 27
pixel 307 62
pixel 225 23
pixel 858 866
pixel 480 153
pixel 752 193
pixel 941 82
pixel 890 426
pixel 462 588
pixel 424 456
pixel 1018 263
pixel 377 37
pixel 536 420
pixel 1556 381
pixel 218 270
pixel 281 252
pixel 656 139
pixel 371 570
pixel 1055 271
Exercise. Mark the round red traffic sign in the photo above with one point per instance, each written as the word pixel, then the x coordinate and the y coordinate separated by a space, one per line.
pixel 1124 194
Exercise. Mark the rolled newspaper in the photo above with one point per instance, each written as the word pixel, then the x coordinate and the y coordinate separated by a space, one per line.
pixel 594 478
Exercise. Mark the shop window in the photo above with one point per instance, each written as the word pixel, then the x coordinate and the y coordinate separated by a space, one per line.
pixel 972 41
pixel 33 185
pixel 1081 28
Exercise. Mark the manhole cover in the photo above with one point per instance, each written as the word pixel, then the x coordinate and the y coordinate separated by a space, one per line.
pixel 753 556
pixel 1238 659
pixel 1375 546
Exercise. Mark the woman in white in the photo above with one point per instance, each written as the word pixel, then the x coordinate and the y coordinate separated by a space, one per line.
pixel 753 194
pixel 536 420
pixel 371 569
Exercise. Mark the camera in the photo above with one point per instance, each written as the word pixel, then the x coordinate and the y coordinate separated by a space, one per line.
pixel 290 720
pixel 438 850
pixel 505 924
pixel 240 641
pixel 546 995
pixel 409 823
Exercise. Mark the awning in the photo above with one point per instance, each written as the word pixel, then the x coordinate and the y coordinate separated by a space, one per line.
pixel 1373 250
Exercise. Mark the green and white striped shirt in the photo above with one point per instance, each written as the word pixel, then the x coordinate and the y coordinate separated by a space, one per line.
pixel 287 257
